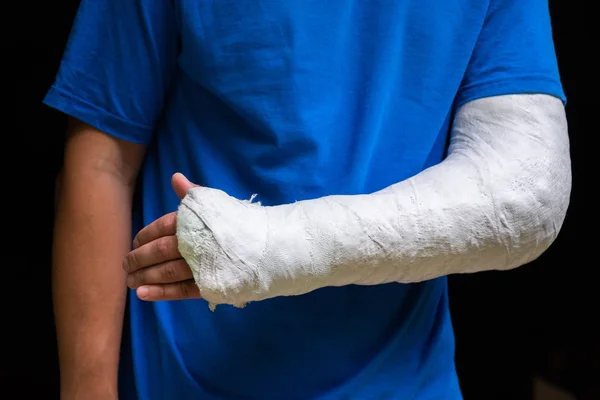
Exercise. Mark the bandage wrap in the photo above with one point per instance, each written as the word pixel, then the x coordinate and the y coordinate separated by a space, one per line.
pixel 496 202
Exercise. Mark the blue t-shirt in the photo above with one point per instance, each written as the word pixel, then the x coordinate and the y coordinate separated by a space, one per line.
pixel 294 100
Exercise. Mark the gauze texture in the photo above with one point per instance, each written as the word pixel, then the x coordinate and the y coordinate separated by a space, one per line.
pixel 496 202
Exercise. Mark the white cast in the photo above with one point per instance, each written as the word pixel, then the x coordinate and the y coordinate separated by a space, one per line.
pixel 496 202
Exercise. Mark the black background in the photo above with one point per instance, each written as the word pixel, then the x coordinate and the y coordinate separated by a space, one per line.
pixel 510 327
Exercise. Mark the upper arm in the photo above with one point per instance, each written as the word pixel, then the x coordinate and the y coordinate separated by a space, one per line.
pixel 514 53
pixel 117 67
pixel 89 150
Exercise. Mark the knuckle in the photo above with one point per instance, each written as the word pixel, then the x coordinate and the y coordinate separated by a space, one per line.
pixel 162 248
pixel 166 224
pixel 170 271
pixel 162 292
pixel 162 225
pixel 173 220
pixel 133 261
pixel 184 289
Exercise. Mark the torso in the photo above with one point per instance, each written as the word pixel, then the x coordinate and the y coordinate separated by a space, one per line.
pixel 296 100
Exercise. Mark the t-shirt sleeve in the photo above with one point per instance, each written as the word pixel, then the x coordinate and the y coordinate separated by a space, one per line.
pixel 514 53
pixel 117 66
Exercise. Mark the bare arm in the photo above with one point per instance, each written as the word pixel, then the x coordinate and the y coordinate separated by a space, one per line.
pixel 92 235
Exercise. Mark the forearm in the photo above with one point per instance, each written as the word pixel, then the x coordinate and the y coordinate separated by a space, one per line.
pixel 496 202
pixel 92 235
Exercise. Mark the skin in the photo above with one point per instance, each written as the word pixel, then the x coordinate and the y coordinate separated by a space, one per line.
pixel 155 267
pixel 508 154
pixel 92 231
pixel 91 237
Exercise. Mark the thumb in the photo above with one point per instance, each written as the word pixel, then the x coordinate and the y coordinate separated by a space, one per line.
pixel 181 185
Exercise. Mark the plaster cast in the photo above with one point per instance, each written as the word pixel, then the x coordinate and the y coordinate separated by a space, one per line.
pixel 496 202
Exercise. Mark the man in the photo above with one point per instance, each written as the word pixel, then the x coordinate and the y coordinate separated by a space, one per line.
pixel 337 116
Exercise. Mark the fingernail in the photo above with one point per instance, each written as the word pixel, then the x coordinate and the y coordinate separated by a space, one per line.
pixel 136 243
pixel 130 281
pixel 143 292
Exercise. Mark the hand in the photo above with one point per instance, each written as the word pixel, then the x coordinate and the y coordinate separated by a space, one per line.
pixel 155 268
